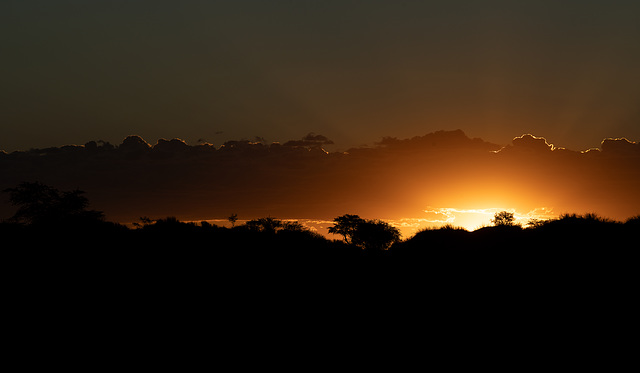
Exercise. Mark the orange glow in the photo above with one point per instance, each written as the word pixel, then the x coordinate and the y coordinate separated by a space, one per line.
pixel 472 219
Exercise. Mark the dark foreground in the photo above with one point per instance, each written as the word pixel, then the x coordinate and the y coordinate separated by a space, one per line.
pixel 573 244
pixel 170 286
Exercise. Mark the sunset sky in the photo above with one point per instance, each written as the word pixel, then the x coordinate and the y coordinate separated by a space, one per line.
pixel 354 72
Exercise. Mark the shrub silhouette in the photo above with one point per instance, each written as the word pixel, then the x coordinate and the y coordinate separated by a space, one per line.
pixel 42 204
pixel 267 225
pixel 432 245
pixel 633 222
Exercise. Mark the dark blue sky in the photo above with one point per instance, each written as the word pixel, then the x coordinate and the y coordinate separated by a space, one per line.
pixel 354 71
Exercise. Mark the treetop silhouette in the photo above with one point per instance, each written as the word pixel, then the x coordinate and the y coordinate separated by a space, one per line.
pixel 346 226
pixel 373 235
pixel 42 204
pixel 503 218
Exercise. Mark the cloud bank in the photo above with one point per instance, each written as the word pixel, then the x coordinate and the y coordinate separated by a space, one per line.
pixel 394 179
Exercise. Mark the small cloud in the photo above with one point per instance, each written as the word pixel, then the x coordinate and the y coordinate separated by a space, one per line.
pixel 440 215
pixel 319 139
pixel 243 145
pixel 134 143
pixel 173 145
pixel 591 151
pixel 311 140
pixel 620 146
pixel 532 143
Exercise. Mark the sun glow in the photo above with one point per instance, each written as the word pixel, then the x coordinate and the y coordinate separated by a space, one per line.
pixel 469 219
pixel 472 219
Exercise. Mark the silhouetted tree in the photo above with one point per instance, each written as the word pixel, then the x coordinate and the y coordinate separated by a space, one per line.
pixel 366 234
pixel 144 221
pixel 346 226
pixel 536 223
pixel 233 218
pixel 39 203
pixel 503 218
pixel 375 235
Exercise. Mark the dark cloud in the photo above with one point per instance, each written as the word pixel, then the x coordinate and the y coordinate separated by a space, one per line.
pixel 134 143
pixel 529 144
pixel 311 140
pixel 438 141
pixel 532 143
pixel 620 146
pixel 173 145
pixel 318 139
pixel 299 179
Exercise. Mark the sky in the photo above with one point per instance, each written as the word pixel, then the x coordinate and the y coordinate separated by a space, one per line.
pixel 420 112
pixel 353 71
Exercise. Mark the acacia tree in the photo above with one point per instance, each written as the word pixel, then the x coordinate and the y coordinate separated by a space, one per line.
pixel 503 218
pixel 346 226
pixel 375 235
pixel 39 203
pixel 364 233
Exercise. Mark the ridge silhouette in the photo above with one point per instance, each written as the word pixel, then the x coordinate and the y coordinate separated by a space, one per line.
pixel 61 223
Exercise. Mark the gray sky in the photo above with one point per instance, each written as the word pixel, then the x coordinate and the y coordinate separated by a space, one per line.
pixel 354 71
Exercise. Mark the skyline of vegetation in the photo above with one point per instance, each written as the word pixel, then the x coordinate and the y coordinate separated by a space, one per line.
pixel 42 208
